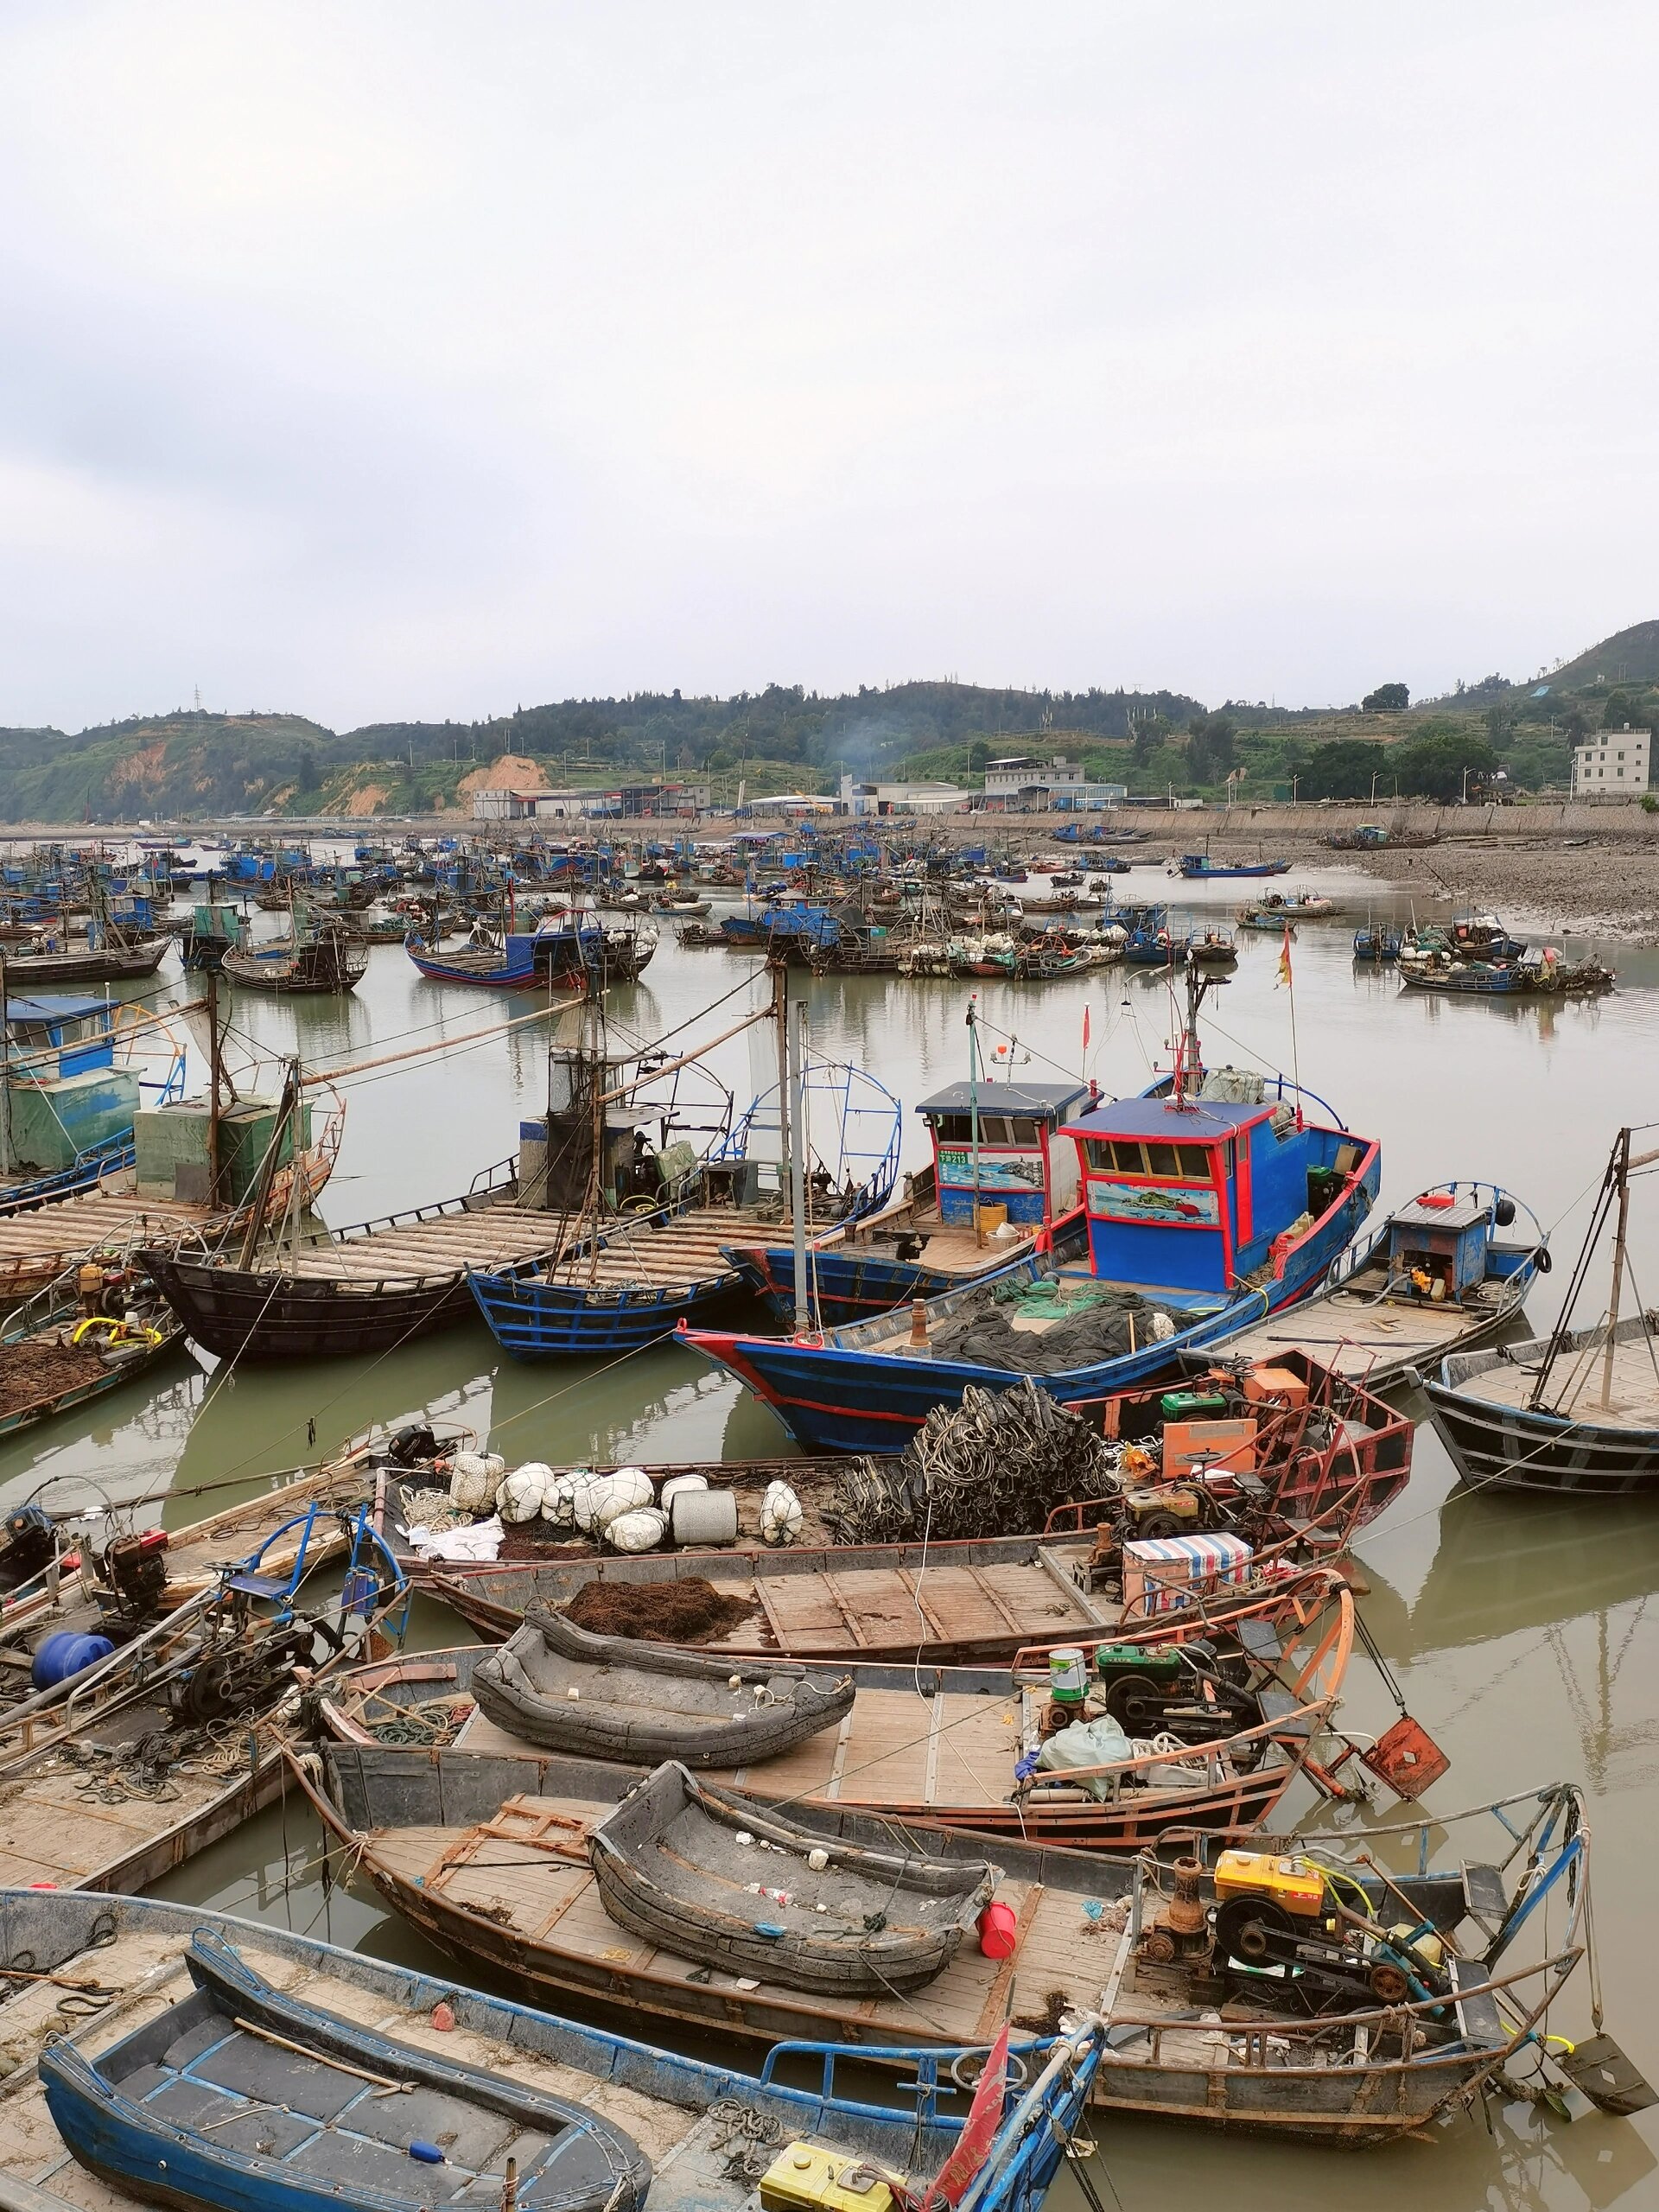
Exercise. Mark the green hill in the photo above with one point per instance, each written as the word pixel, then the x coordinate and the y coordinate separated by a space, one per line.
pixel 1628 657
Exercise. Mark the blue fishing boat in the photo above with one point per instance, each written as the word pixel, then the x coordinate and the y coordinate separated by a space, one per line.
pixel 1207 1205
pixel 1199 868
pixel 263 2087
pixel 1378 945
pixel 551 955
pixel 1001 1138
pixel 625 1275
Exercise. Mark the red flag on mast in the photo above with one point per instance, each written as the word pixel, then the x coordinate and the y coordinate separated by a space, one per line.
pixel 1284 961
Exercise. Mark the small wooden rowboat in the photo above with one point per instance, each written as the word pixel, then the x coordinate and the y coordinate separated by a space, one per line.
pixel 240 2095
pixel 555 1686
pixel 444 2039
pixel 677 1862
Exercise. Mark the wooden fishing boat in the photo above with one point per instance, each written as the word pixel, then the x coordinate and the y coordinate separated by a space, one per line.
pixel 615 1284
pixel 1437 1277
pixel 1379 946
pixel 55 1356
pixel 40 1242
pixel 1162 1207
pixel 1294 1473
pixel 1576 1413
pixel 1199 868
pixel 553 1685
pixel 927 1242
pixel 365 1288
pixel 1345 1990
pixel 1595 1435
pixel 132 1756
pixel 68 1574
pixel 329 956
pixel 627 1285
pixel 115 960
pixel 501 1881
pixel 960 1745
pixel 144 1955
pixel 670 1864
pixel 549 957
pixel 950 1603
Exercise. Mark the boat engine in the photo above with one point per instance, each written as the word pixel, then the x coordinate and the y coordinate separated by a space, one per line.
pixel 244 1677
pixel 30 1540
pixel 1276 1934
pixel 135 1569
pixel 1181 1933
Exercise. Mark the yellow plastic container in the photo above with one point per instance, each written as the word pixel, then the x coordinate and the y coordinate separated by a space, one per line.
pixel 1291 1883
pixel 804 2178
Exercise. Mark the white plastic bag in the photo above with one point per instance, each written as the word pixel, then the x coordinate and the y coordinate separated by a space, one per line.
pixel 605 1496
pixel 676 1485
pixel 641 1530
pixel 1086 1743
pixel 781 1517
pixel 522 1493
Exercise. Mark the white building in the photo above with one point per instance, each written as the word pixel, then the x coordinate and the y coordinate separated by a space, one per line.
pixel 1612 763
pixel 900 798
pixel 1023 776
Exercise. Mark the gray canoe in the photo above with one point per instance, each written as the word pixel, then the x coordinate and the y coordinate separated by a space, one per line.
pixel 719 1878
pixel 647 1702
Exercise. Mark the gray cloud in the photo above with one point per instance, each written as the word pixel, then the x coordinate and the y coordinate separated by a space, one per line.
pixel 387 359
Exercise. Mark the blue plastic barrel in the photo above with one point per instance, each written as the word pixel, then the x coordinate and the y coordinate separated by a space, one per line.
pixel 66 1652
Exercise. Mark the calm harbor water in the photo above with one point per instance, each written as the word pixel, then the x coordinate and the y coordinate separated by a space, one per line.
pixel 1521 1633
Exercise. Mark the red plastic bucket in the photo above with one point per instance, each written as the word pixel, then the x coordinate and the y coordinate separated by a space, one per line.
pixel 997 1926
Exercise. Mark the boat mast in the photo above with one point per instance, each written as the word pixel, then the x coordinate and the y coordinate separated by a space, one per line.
pixel 5 1073
pixel 779 959
pixel 1621 1168
pixel 798 1150
pixel 973 1109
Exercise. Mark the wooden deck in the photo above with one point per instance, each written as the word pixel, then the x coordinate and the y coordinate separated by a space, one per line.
pixel 527 1871
pixel 943 1752
pixel 439 1249
pixel 1357 1336
pixel 1575 1385
pixel 37 1246
pixel 805 1606
pixel 684 1248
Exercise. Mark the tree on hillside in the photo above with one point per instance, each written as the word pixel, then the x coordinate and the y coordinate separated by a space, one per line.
pixel 1431 763
pixel 1211 752
pixel 1387 699
pixel 1621 712
pixel 1344 769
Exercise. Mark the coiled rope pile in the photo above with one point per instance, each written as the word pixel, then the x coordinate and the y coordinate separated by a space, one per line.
pixel 997 1465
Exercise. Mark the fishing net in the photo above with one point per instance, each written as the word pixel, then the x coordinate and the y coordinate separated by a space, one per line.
pixel 996 1465
pixel 1101 1324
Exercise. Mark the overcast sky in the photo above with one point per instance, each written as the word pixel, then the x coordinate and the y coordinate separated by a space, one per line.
pixel 410 360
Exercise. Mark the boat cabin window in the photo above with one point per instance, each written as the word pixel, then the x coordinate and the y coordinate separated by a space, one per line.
pixel 993 1128
pixel 1165 1163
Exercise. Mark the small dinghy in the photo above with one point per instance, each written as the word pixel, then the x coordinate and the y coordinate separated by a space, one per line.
pixel 555 1686
pixel 721 1879
pixel 239 2096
